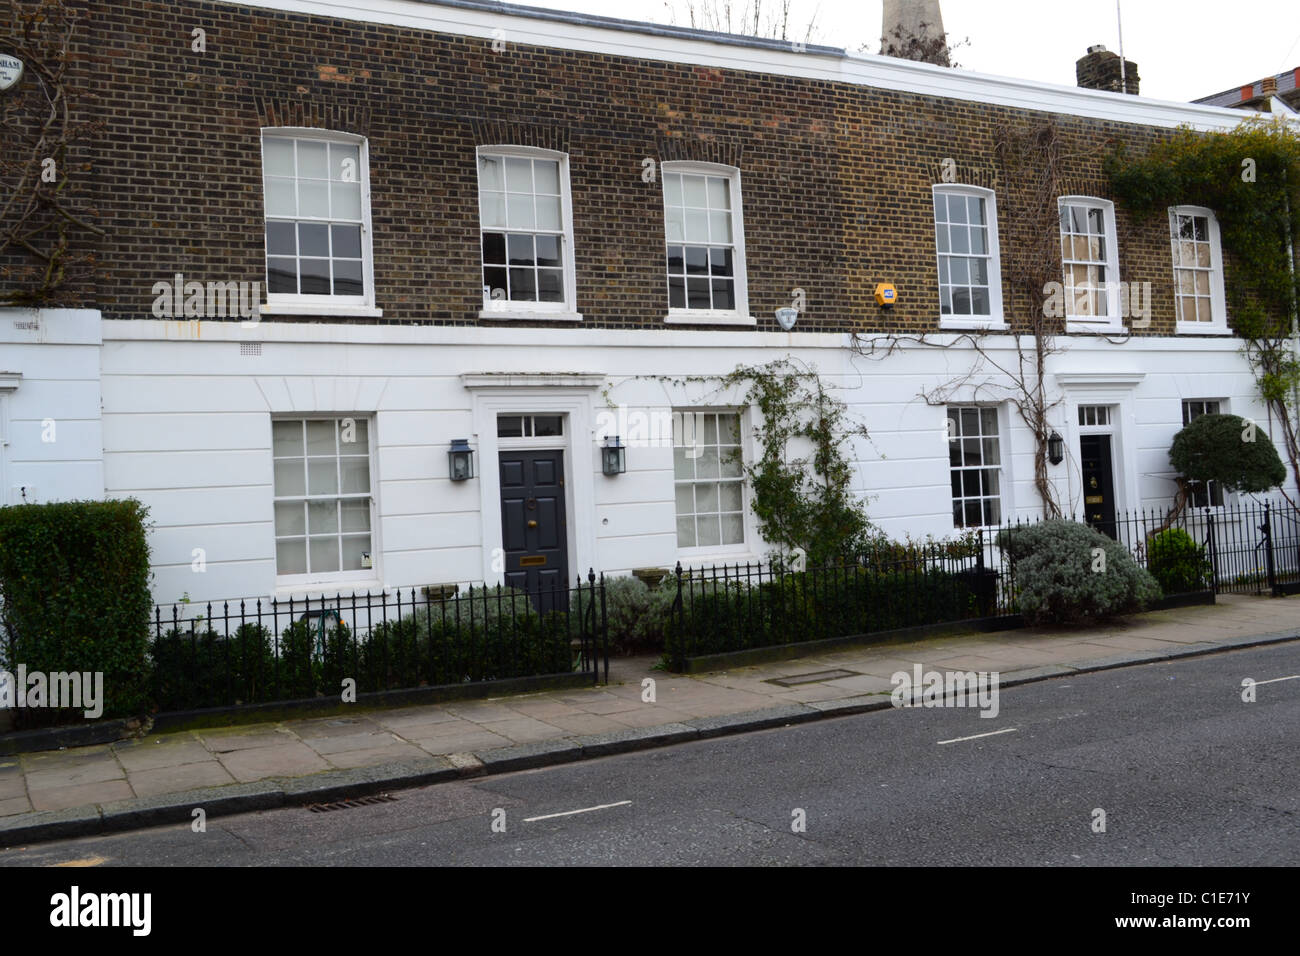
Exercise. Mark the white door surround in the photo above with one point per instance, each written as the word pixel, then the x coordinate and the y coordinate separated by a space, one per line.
pixel 522 394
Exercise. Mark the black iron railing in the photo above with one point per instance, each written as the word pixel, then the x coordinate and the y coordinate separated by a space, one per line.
pixel 248 652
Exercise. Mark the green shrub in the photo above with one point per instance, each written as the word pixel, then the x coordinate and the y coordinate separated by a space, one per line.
pixel 200 668
pixel 74 596
pixel 1178 563
pixel 1059 578
pixel 1229 450
pixel 628 602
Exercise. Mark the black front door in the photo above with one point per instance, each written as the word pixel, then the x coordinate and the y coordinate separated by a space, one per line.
pixel 1098 483
pixel 533 525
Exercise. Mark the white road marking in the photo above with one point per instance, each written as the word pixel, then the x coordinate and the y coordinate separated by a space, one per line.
pixel 994 733
pixel 1257 683
pixel 569 813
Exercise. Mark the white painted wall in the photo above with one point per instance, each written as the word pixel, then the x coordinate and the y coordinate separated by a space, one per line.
pixel 187 430
pixel 51 440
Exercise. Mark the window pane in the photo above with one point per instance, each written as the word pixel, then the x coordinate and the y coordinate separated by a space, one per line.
pixel 277 156
pixel 708 530
pixel 724 294
pixel 956 209
pixel 492 210
pixel 495 280
pixel 547 426
pixel 520 250
pixel 356 474
pixel 523 285
pixel 280 197
pixel 519 175
pixel 313 162
pixel 676 293
pixel 313 239
pixel 519 212
pixel 697 225
pixel 288 478
pixel 281 240
pixel 975 206
pixel 322 517
pixel 324 554
pixel 697 294
pixel 550 285
pixel 720 227
pixel 548 250
pixel 730 496
pixel 685 499
pixel 282 275
pixel 354 548
pixel 686 532
pixel 706 497
pixel 674 231
pixel 313 199
pixel 289 518
pixel 291 556
pixel 548 213
pixel 683 463
pixel 547 173
pixel 719 193
pixel 347 277
pixel 494 249
pixel 346 242
pixel 697 260
pixel 490 174
pixel 286 439
pixel 346 200
pixel 694 192
pixel 673 189
pixel 733 529
pixel 322 476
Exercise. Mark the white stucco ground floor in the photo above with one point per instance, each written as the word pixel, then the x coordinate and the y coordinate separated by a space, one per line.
pixel 283 459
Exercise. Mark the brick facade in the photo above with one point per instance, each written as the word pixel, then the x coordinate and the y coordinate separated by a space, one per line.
pixel 836 178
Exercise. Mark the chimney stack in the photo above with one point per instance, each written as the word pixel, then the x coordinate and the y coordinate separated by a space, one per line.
pixel 1100 70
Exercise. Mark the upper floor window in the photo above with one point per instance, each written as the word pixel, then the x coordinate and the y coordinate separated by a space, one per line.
pixel 318 250
pixel 705 244
pixel 1198 270
pixel 526 224
pixel 1091 262
pixel 966 238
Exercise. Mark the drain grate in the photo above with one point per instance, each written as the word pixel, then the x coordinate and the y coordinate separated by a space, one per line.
pixel 349 804
pixel 794 680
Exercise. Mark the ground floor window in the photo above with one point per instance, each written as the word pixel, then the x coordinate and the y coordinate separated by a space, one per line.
pixel 1207 494
pixel 708 470
pixel 975 457
pixel 322 495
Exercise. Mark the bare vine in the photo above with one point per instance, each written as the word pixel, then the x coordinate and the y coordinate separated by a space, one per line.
pixel 39 123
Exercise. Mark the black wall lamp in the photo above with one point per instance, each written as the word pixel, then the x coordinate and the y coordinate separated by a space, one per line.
pixel 1055 448
pixel 460 460
pixel 613 456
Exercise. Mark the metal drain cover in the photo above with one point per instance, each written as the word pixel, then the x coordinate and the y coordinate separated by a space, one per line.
pixel 796 679
pixel 349 804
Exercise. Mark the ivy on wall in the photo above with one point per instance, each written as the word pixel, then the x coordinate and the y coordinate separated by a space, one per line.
pixel 1250 177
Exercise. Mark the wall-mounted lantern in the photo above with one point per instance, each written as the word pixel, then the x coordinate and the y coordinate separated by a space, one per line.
pixel 460 460
pixel 613 456
pixel 1055 448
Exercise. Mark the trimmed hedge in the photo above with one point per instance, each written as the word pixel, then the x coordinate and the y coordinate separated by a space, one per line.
pixel 1178 563
pixel 74 582
pixel 718 617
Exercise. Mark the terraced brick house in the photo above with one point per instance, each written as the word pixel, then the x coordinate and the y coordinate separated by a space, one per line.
pixel 516 232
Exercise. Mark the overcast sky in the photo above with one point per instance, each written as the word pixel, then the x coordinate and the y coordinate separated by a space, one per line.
pixel 1184 49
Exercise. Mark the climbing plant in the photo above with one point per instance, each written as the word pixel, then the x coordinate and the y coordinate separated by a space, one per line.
pixel 1250 177
pixel 40 177
pixel 802 501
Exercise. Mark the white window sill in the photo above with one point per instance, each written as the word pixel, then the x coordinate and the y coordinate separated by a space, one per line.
pixel 1079 326
pixel 527 315
pixel 989 324
pixel 1199 328
pixel 708 317
pixel 354 311
pixel 345 590
pixel 710 559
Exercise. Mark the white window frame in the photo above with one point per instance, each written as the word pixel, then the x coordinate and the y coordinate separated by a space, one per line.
pixel 362 306
pixel 1002 467
pixel 328 579
pixel 740 314
pixel 1224 495
pixel 504 309
pixel 1113 321
pixel 700 553
pixel 1218 300
pixel 996 318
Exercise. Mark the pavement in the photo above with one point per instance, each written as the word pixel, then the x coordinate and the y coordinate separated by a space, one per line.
pixel 163 778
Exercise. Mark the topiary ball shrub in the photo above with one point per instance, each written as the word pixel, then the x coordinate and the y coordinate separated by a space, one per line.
pixel 1068 573
pixel 1230 450
pixel 1178 563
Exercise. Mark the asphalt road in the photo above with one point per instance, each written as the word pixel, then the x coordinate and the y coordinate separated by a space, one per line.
pixel 1185 770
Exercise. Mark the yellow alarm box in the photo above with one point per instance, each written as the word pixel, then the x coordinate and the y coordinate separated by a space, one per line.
pixel 886 294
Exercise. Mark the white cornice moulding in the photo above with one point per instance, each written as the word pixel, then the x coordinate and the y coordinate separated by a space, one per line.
pixel 9 381
pixel 532 380
pixel 628 38
pixel 1102 379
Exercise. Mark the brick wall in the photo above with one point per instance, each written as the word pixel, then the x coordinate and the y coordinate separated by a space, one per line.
pixel 836 179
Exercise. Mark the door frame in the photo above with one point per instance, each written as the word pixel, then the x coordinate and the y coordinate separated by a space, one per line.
pixel 1117 390
pixel 571 397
